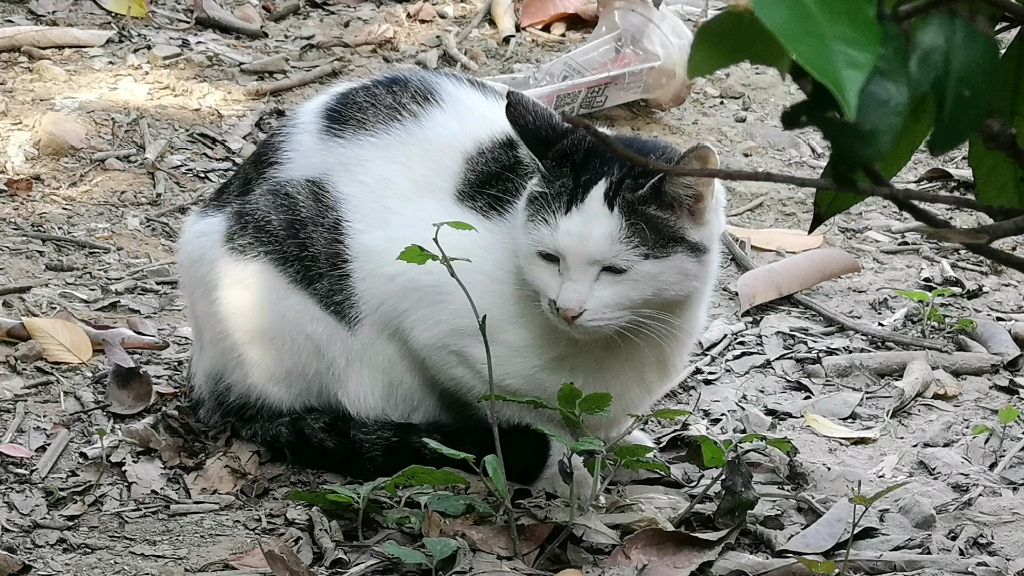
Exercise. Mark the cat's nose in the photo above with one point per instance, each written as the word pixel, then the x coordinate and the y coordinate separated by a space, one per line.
pixel 570 315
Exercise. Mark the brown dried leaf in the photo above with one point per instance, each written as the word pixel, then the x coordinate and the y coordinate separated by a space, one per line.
pixel 62 341
pixel 826 427
pixel 19 186
pixel 666 553
pixel 17 37
pixel 250 560
pixel 371 35
pixel 790 275
pixel 142 326
pixel 772 239
pixel 540 13
pixel 15 451
pixel 10 565
pixel 423 11
pixel 503 13
pixel 129 389
pixel 284 561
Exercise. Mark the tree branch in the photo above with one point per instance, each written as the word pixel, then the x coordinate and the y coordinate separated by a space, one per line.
pixel 1011 8
pixel 887 192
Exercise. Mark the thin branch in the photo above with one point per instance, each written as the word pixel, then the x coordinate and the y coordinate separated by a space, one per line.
pixel 985 234
pixel 1011 8
pixel 484 10
pixel 998 136
pixel 888 193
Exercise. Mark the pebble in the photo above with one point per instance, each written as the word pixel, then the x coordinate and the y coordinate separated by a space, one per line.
pixel 428 59
pixel 476 55
pixel 748 147
pixel 918 511
pixel 740 117
pixel 60 133
pixel 28 352
pixel 162 53
pixel 113 164
pixel 732 89
pixel 158 272
pixel 49 70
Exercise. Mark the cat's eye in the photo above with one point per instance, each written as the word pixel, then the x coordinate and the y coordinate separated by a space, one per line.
pixel 549 257
pixel 613 270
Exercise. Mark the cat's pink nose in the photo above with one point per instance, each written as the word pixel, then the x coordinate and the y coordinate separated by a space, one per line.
pixel 570 315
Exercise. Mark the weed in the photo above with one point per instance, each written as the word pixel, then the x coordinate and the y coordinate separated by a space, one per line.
pixel 934 317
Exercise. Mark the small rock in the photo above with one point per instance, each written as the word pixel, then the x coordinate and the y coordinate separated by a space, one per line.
pixel 447 12
pixel 249 14
pixel 712 91
pixel 162 53
pixel 558 28
pixel 423 11
pixel 732 89
pixel 740 117
pixel 247 149
pixel 113 164
pixel 28 352
pixel 158 272
pixel 50 71
pixel 918 511
pixel 748 147
pixel 428 59
pixel 814 371
pixel 60 133
pixel 746 104
pixel 33 53
pixel 476 55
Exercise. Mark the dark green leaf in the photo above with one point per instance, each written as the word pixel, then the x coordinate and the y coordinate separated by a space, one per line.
pixel 560 438
pixel 836 42
pixel 449 452
pixel 326 499
pixel 782 444
pixel 404 554
pixel 497 475
pixel 416 254
pixel 441 548
pixel 586 444
pixel 966 326
pixel 730 38
pixel 1008 414
pixel 417 475
pixel 458 505
pixel 456 225
pixel 958 62
pixel 632 451
pixel 998 180
pixel 980 429
pixel 569 396
pixel 670 414
pixel 595 403
pixel 711 451
pixel 531 401
pixel 818 566
pixel 884 101
pixel 404 518
pixel 647 464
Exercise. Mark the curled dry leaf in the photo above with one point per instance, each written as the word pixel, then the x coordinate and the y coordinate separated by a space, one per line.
pixel 917 378
pixel 283 561
pixel 824 534
pixel 142 326
pixel 666 553
pixel 18 37
pixel 793 274
pixel 19 186
pixel 129 389
pixel 15 451
pixel 772 239
pixel 828 428
pixel 997 340
pixel 540 13
pixel 133 8
pixel 61 340
pixel 503 13
pixel 371 35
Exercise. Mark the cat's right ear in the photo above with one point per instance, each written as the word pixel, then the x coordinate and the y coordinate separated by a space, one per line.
pixel 538 126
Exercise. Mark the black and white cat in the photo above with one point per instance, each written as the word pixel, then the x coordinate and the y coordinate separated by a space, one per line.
pixel 313 340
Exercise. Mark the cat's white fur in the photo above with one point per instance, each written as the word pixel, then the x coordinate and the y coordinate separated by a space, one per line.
pixel 254 327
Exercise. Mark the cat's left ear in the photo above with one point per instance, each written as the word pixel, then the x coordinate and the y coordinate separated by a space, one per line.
pixel 538 126
pixel 694 197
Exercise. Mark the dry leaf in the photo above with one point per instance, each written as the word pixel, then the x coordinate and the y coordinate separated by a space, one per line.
pixel 790 275
pixel 423 11
pixel 666 553
pixel 503 13
pixel 826 427
pixel 17 37
pixel 142 326
pixel 824 534
pixel 15 451
pixel 284 561
pixel 772 239
pixel 133 8
pixel 129 389
pixel 253 560
pixel 19 186
pixel 540 13
pixel 10 564
pixel 249 14
pixel 62 341
pixel 570 572
pixel 371 35
pixel 939 174
pixel 945 387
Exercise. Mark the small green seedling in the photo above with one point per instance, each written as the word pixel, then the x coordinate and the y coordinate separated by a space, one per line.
pixel 1007 415
pixel 932 315
pixel 437 549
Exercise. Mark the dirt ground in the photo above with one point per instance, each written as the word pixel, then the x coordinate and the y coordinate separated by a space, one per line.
pixel 170 498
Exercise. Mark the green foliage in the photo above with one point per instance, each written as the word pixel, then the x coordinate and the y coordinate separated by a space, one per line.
pixel 817 566
pixel 670 414
pixel 497 475
pixel 1008 414
pixel 587 444
pixel 711 451
pixel 458 505
pixel 416 254
pixel 417 475
pixel 441 548
pixel 569 397
pixel 998 180
pixel 456 225
pixel 865 501
pixel 595 404
pixel 404 553
pixel 531 401
pixel 932 315
pixel 714 45
pixel 328 499
pixel 980 429
pixel 449 452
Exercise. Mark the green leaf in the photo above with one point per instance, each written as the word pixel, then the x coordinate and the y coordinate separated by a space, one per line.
pixel 326 499
pixel 569 397
pixel 1008 414
pixel 560 438
pixel 416 254
pixel 958 62
pixel 915 295
pixel 998 180
pixel 866 501
pixel 966 326
pixel 670 414
pixel 449 452
pixel 647 464
pixel 456 225
pixel 631 451
pixel 940 292
pixel 441 548
pixel 531 401
pixel 404 554
pixel 586 444
pixel 458 505
pixel 595 403
pixel 980 429
pixel 711 451
pixel 783 444
pixel 818 566
pixel 404 518
pixel 732 37
pixel 417 475
pixel 497 475
pixel 838 42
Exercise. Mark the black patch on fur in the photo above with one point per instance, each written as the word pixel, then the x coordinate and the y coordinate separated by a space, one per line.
pixel 495 178
pixel 254 172
pixel 332 439
pixel 390 100
pixel 297 226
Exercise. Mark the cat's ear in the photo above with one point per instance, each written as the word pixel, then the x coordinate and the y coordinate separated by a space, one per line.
pixel 538 126
pixel 693 196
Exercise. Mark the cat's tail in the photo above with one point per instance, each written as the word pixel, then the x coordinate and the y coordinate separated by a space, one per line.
pixel 334 440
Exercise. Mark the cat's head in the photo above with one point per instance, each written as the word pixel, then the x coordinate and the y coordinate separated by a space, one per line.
pixel 607 245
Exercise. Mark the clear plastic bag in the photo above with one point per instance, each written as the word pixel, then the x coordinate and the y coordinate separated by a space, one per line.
pixel 636 51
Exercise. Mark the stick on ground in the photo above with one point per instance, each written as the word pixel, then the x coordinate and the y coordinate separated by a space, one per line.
pixel 257 89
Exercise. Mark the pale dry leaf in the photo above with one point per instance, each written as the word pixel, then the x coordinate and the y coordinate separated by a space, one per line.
pixel 252 559
pixel 283 561
pixel 129 389
pixel 142 326
pixel 17 37
pixel 503 13
pixel 540 13
pixel 15 451
pixel 945 386
pixel 772 239
pixel 824 534
pixel 62 341
pixel 570 572
pixel 133 8
pixel 826 427
pixel 793 274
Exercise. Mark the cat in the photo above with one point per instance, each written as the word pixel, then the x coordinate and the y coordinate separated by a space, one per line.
pixel 314 341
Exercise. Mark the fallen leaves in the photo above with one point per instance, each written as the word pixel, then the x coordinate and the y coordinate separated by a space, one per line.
pixel 62 341
pixel 283 561
pixel 133 8
pixel 15 451
pixel 503 13
pixel 667 553
pixel 793 274
pixel 826 427
pixel 18 37
pixel 772 239
pixel 540 13
pixel 129 389
pixel 825 533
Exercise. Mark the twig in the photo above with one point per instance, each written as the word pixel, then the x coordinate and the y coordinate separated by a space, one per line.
pixel 1009 456
pixel 23 287
pixel 544 35
pixel 67 240
pixel 101 156
pixel 138 269
pixel 452 49
pixel 465 32
pixel 210 14
pixel 747 264
pixel 19 417
pixel 53 453
pixel 985 234
pixel 199 197
pixel 257 89
pixel 102 406
pixel 746 207
pixel 1011 8
pixel 287 9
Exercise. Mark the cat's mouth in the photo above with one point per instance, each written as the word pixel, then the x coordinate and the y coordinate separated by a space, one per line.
pixel 582 328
